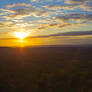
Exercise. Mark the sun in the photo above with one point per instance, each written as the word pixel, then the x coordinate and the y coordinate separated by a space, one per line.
pixel 21 35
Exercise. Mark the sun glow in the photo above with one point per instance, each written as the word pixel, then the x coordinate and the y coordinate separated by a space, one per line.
pixel 21 35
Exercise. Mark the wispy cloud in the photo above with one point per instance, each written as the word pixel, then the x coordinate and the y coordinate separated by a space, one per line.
pixel 76 17
pixel 25 12
pixel 18 5
pixel 64 7
pixel 54 25
pixel 67 34
pixel 85 4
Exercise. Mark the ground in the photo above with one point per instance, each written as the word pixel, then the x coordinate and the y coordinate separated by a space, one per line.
pixel 46 69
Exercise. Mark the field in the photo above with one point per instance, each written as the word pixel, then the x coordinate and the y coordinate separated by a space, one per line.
pixel 46 69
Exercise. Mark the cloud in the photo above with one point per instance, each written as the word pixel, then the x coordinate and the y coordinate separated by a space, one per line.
pixel 24 12
pixel 84 4
pixel 59 25
pixel 77 33
pixel 78 1
pixel 34 0
pixel 66 34
pixel 7 24
pixel 76 17
pixel 70 6
pixel 54 25
pixel 18 5
pixel 65 7
pixel 6 10
pixel 43 1
pixel 75 1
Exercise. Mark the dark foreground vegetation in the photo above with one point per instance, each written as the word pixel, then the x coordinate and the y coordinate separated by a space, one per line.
pixel 46 69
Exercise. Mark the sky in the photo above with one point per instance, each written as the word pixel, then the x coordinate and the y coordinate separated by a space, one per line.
pixel 48 22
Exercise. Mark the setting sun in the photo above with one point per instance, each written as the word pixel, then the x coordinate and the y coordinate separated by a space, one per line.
pixel 21 35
